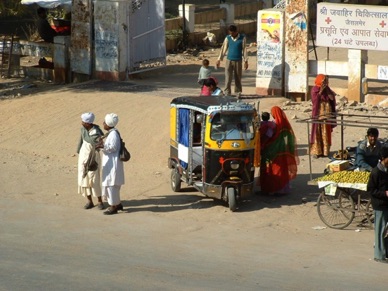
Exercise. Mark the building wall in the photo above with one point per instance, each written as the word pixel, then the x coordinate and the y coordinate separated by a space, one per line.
pixel 106 34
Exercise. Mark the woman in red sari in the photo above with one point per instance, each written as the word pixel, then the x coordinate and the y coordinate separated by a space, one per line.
pixel 323 99
pixel 279 157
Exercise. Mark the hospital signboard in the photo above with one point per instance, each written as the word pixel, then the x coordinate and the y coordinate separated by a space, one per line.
pixel 363 27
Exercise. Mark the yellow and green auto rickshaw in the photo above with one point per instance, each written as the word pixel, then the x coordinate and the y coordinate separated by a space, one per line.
pixel 212 146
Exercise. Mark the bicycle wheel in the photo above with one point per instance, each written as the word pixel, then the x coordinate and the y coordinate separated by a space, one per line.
pixel 336 211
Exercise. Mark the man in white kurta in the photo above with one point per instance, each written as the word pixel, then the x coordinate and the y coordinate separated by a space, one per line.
pixel 89 183
pixel 112 166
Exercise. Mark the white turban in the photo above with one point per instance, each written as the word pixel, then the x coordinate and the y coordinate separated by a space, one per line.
pixel 111 119
pixel 87 117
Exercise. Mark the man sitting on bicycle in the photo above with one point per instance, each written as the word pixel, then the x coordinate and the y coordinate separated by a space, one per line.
pixel 368 151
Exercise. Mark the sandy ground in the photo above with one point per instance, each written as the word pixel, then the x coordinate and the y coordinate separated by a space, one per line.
pixel 165 240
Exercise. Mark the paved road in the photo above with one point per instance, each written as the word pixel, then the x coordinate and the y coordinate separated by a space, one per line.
pixel 45 247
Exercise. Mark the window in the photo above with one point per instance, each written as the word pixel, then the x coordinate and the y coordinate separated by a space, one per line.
pixel 232 126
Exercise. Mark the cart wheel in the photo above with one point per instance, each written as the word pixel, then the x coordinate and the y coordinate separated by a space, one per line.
pixel 370 214
pixel 366 213
pixel 175 180
pixel 232 199
pixel 336 211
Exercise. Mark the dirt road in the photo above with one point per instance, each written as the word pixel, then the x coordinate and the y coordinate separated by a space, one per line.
pixel 163 240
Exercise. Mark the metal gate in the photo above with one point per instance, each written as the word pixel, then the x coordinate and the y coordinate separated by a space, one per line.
pixel 146 35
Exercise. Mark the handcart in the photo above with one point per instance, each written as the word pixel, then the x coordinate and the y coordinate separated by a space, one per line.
pixel 340 202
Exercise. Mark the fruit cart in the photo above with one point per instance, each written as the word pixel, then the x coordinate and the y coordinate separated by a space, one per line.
pixel 344 197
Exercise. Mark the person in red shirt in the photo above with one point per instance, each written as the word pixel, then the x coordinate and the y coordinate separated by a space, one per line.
pixel 46 32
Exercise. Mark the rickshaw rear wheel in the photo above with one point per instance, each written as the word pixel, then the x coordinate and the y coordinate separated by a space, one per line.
pixel 175 180
pixel 232 199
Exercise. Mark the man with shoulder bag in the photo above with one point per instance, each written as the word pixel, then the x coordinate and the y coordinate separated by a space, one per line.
pixel 112 165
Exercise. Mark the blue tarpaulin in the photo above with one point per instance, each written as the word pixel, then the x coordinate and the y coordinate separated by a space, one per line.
pixel 184 124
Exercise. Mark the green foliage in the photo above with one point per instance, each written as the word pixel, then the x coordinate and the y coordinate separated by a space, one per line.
pixel 12 8
pixel 168 15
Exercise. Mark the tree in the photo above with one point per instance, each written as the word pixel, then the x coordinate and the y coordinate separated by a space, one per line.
pixel 12 8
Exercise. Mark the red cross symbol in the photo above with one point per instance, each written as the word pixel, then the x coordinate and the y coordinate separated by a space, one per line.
pixel 328 20
pixel 382 24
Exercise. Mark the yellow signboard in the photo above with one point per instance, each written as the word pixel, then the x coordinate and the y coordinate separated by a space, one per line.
pixel 270 25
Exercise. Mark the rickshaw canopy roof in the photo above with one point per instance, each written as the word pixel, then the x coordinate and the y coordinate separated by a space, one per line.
pixel 209 104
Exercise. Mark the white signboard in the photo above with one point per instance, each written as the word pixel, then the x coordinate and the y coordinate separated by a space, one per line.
pixel 269 46
pixel 269 74
pixel 269 61
pixel 363 27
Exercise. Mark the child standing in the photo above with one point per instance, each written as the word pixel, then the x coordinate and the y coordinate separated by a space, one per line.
pixel 267 128
pixel 378 190
pixel 204 72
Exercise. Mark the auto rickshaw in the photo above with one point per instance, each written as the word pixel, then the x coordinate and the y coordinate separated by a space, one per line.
pixel 212 146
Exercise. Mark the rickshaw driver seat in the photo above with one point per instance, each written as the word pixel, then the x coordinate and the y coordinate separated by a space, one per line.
pixel 197 128
pixel 197 134
pixel 197 142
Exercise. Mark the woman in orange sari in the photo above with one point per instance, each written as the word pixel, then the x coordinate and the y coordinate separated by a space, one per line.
pixel 323 99
pixel 279 157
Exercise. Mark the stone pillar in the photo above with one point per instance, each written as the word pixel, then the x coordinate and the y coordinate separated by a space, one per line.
pixel 61 59
pixel 11 61
pixel 296 51
pixel 189 16
pixel 111 39
pixel 229 13
pixel 356 64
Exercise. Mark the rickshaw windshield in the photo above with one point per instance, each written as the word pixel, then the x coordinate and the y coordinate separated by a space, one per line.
pixel 232 126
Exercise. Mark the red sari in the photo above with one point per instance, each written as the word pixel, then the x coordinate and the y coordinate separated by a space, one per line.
pixel 279 157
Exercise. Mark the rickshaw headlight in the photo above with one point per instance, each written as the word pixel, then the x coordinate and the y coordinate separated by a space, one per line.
pixel 234 165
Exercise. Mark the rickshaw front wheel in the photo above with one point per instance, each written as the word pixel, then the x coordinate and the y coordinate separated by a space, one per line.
pixel 175 180
pixel 232 199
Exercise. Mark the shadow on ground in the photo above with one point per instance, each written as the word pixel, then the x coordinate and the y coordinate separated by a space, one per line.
pixel 189 198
